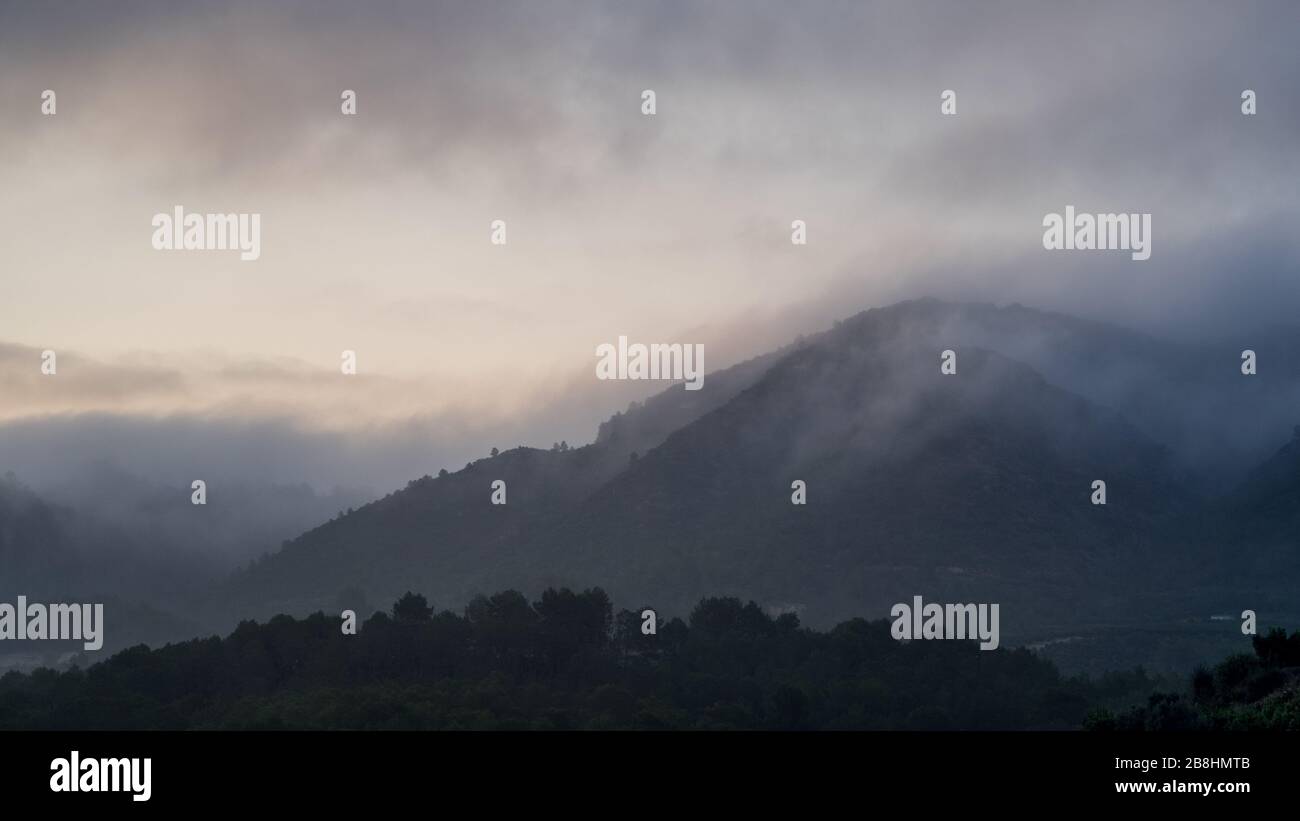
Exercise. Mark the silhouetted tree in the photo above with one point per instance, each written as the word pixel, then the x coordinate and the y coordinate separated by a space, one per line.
pixel 412 607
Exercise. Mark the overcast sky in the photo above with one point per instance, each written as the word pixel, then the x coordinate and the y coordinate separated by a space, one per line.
pixel 672 227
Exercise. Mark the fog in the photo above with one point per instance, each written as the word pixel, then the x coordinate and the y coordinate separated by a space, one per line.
pixel 671 228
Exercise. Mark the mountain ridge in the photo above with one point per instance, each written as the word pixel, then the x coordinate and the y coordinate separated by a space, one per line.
pixel 594 501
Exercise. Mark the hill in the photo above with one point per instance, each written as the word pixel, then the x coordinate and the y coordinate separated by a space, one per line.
pixel 965 487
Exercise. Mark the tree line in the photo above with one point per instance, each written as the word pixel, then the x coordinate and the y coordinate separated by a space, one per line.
pixel 566 660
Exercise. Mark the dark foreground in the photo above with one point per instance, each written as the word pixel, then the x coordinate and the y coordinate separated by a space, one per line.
pixel 568 661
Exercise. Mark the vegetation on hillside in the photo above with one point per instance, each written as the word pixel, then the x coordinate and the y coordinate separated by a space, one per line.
pixel 1243 692
pixel 564 661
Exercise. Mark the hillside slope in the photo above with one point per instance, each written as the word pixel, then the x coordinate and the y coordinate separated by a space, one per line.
pixel 965 487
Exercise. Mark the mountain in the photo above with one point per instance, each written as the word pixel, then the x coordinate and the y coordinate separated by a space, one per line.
pixel 971 487
pixel 1262 528
pixel 974 486
pixel 34 543
pixel 52 553
pixel 48 549
pixel 138 547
